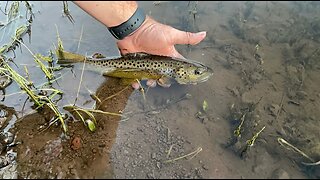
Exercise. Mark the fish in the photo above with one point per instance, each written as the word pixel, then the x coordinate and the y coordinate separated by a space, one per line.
pixel 142 66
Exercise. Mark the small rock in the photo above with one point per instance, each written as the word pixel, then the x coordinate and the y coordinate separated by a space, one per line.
pixel 3 161
pixel 274 109
pixel 280 174
pixel 158 165
pixel 153 156
pixel 10 172
pixel 6 137
pixel 3 147
pixel 150 175
pixel 301 95
pixel 76 143
pixel 256 76
pixel 205 167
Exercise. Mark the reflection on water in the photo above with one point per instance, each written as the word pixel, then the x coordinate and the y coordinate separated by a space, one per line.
pixel 265 58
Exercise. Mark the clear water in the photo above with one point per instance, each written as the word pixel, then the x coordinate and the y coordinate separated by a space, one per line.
pixel 267 50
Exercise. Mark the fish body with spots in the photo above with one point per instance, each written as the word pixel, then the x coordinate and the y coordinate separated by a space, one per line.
pixel 143 66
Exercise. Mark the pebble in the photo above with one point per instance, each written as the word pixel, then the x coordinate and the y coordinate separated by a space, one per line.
pixel 76 143
pixel 153 156
pixel 280 174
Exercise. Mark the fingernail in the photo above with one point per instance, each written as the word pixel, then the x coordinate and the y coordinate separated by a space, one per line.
pixel 151 83
pixel 202 33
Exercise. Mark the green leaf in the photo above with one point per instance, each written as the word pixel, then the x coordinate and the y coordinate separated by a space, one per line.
pixel 91 125
pixel 204 106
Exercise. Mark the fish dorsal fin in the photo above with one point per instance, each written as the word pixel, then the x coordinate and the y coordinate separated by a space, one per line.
pixel 98 56
pixel 136 55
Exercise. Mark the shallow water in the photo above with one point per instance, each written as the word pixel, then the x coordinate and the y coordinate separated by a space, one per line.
pixel 265 57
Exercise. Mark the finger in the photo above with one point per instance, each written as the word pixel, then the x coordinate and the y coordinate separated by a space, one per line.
pixel 125 47
pixel 175 53
pixel 151 83
pixel 123 51
pixel 163 85
pixel 135 85
pixel 182 37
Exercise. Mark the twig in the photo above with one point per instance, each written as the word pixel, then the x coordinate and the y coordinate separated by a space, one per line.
pixel 142 90
pixel 311 164
pixel 80 38
pixel 194 153
pixel 280 105
pixel 284 142
pixel 169 151
pixel 75 100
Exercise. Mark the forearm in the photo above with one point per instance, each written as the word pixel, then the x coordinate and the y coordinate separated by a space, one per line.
pixel 110 13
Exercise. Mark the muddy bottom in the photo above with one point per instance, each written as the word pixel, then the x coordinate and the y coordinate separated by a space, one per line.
pixel 46 152
pixel 260 121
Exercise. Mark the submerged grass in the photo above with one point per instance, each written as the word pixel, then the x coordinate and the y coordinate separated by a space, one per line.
pixel 42 95
pixel 88 114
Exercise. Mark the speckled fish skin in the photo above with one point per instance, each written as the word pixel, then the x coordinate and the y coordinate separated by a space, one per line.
pixel 151 67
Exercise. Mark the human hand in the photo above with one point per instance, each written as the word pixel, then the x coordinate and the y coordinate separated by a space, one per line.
pixel 153 37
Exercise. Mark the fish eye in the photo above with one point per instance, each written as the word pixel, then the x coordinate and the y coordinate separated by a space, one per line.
pixel 198 71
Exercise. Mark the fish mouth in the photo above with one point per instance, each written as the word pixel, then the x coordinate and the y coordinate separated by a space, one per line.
pixel 205 75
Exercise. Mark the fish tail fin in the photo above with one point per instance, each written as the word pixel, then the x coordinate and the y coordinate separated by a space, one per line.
pixel 65 57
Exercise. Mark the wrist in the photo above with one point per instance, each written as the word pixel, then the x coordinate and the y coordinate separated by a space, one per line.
pixel 110 13
pixel 128 27
pixel 123 13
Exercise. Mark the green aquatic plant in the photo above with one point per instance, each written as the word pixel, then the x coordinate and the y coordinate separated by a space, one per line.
pixel 88 114
pixel 237 131
pixel 67 12
pixel 204 106
pixel 251 141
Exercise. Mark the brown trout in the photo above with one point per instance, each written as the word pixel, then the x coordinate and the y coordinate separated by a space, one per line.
pixel 143 66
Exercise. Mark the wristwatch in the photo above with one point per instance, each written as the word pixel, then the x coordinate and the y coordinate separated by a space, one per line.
pixel 126 28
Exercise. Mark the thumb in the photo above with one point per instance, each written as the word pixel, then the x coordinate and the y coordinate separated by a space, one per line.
pixel 125 47
pixel 182 37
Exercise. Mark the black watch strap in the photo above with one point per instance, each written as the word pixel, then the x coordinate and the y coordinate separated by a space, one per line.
pixel 133 23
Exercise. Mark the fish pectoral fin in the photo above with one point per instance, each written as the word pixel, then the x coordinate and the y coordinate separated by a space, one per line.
pixel 130 70
pixel 127 81
pixel 113 71
pixel 108 71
